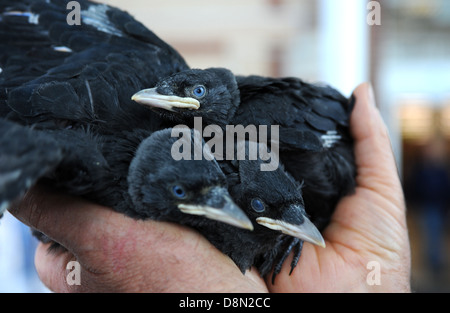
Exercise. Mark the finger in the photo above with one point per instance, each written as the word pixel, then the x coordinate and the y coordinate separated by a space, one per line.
pixel 365 121
pixel 378 204
pixel 51 267
pixel 375 161
pixel 60 217
pixel 377 167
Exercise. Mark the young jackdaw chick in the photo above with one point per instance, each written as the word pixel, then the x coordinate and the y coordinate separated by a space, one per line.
pixel 273 201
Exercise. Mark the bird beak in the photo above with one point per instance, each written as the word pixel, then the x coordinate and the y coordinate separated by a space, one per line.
pixel 219 207
pixel 306 231
pixel 150 97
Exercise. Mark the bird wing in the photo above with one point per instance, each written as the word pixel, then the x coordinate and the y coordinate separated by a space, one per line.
pixel 84 73
pixel 25 157
pixel 72 160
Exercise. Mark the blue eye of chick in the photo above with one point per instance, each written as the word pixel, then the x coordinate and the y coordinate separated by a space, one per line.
pixel 199 91
pixel 257 205
pixel 178 192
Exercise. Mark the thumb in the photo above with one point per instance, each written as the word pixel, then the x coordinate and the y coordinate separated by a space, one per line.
pixel 377 169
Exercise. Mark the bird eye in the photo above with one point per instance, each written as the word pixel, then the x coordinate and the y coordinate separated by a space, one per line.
pixel 178 192
pixel 258 205
pixel 199 91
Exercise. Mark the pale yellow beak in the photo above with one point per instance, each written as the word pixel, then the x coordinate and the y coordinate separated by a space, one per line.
pixel 150 97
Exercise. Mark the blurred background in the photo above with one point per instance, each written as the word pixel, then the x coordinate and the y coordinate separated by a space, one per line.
pixel 401 46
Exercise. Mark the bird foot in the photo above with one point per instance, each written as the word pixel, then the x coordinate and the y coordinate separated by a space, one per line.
pixel 293 244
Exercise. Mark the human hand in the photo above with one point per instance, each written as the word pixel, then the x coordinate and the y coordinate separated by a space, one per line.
pixel 117 253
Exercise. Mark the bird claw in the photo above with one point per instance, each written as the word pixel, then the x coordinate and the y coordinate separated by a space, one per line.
pixel 297 253
pixel 293 244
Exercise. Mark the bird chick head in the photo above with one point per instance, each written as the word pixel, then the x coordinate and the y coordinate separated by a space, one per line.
pixel 181 191
pixel 273 200
pixel 211 93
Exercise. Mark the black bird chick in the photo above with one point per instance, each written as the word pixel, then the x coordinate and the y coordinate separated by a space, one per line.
pixel 160 188
pixel 163 188
pixel 273 202
pixel 314 140
pixel 212 94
